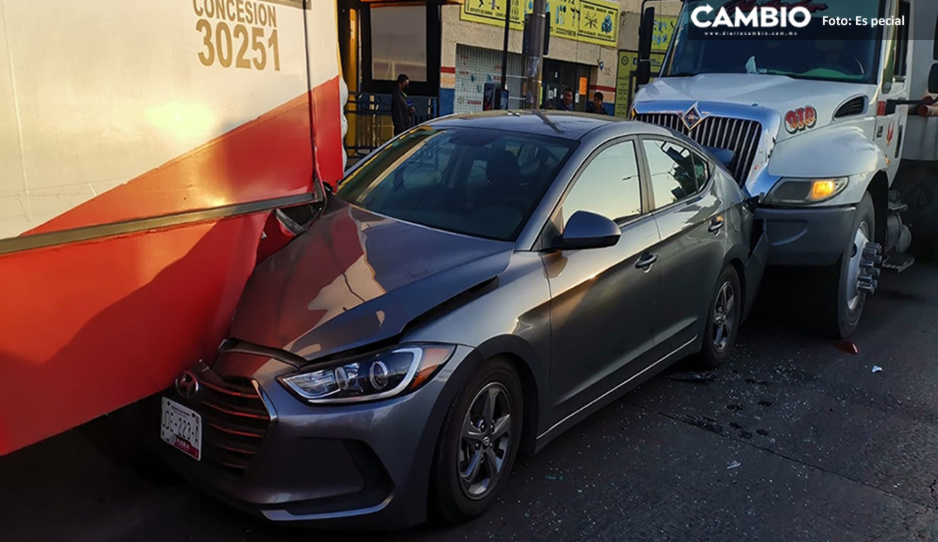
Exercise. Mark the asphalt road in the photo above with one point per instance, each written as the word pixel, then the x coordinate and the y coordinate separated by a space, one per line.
pixel 794 440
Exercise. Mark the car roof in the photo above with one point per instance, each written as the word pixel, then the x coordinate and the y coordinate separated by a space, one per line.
pixel 560 124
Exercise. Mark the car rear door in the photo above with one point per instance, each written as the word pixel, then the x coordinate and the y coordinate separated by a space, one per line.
pixel 688 210
pixel 602 299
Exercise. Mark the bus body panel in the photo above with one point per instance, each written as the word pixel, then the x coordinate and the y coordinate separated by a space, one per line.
pixel 140 160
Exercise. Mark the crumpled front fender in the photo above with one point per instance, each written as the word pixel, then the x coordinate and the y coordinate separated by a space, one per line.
pixel 836 151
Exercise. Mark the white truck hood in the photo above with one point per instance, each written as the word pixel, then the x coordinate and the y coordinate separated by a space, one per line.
pixel 779 93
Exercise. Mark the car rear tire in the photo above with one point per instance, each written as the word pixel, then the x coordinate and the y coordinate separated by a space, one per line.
pixel 478 443
pixel 723 320
pixel 843 300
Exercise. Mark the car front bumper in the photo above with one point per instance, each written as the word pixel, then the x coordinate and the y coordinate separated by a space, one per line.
pixel 357 466
pixel 807 237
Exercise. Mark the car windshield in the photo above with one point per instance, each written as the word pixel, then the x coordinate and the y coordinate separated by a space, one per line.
pixel 841 53
pixel 479 182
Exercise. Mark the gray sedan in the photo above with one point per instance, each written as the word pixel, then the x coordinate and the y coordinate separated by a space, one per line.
pixel 475 288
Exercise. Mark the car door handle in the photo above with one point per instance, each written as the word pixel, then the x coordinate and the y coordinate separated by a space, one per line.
pixel 646 261
pixel 716 225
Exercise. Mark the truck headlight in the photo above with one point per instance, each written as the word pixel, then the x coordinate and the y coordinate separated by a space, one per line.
pixel 369 377
pixel 805 191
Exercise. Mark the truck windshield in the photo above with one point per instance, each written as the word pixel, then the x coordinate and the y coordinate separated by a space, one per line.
pixel 823 52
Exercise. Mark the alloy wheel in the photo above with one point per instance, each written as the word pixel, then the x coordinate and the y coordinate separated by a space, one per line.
pixel 724 317
pixel 485 441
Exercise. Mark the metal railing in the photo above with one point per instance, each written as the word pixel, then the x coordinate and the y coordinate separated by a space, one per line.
pixel 369 117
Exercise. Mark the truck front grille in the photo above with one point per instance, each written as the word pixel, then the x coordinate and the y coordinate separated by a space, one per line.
pixel 234 421
pixel 738 135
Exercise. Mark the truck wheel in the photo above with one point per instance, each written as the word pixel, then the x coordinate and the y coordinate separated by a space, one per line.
pixel 723 320
pixel 478 443
pixel 848 280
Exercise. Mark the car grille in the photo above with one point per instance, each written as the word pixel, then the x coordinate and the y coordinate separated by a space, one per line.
pixel 738 135
pixel 234 422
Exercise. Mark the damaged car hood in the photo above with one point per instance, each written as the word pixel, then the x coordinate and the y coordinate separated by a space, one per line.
pixel 357 278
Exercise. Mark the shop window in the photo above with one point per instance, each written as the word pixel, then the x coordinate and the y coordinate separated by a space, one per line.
pixel 399 42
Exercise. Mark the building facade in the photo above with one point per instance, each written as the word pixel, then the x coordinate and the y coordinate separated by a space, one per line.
pixel 582 54
pixel 450 49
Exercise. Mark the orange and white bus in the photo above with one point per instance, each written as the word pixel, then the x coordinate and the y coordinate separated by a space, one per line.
pixel 144 149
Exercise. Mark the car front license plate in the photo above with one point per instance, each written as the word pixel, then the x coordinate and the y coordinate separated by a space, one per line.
pixel 181 428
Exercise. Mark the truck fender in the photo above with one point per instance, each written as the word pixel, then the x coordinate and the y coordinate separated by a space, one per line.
pixel 835 151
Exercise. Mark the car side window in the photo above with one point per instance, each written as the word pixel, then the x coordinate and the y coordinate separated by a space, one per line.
pixel 674 173
pixel 609 186
pixel 702 169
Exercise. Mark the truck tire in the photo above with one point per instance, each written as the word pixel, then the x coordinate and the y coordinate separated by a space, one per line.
pixel 844 299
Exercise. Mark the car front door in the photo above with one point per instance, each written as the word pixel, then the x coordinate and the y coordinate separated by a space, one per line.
pixel 689 213
pixel 602 300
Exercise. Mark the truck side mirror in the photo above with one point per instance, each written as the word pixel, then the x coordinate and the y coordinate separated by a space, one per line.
pixel 645 35
pixel 933 79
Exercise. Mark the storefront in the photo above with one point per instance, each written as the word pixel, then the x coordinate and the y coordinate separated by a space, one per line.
pixel 476 66
pixel 449 49
pixel 582 54
pixel 380 40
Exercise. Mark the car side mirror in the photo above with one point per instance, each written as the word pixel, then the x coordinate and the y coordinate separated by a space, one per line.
pixel 645 36
pixel 587 230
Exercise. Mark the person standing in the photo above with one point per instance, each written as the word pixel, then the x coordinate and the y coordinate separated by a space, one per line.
pixel 596 106
pixel 566 103
pixel 401 112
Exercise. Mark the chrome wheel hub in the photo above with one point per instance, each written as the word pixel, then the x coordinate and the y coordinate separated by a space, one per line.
pixel 863 267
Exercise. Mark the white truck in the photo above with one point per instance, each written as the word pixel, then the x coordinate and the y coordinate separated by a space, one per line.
pixel 813 105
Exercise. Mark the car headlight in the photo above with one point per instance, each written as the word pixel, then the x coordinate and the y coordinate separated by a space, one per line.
pixel 805 191
pixel 369 377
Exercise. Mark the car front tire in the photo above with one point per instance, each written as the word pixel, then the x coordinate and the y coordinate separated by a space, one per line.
pixel 723 320
pixel 478 443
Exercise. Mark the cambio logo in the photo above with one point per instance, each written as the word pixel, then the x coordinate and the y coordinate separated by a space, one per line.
pixel 758 17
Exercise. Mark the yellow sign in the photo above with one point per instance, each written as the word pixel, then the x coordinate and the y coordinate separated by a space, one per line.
pixel 588 21
pixel 664 31
pixel 491 12
pixel 625 79
pixel 628 64
pixel 563 16
pixel 598 22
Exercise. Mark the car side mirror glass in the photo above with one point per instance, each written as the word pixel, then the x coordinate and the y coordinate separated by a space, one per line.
pixel 645 37
pixel 587 230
